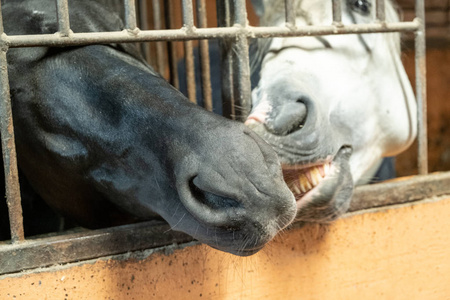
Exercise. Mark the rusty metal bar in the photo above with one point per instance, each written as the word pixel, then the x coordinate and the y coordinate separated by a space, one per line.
pixel 337 12
pixel 12 187
pixel 77 39
pixel 188 26
pixel 143 24
pixel 421 92
pixel 290 13
pixel 402 191
pixel 62 11
pixel 130 14
pixel 9 155
pixel 190 71
pixel 204 57
pixel 242 85
pixel 224 13
pixel 171 49
pixel 157 25
pixel 91 244
pixel 380 10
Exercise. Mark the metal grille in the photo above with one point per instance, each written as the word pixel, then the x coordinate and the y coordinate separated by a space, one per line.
pixel 234 33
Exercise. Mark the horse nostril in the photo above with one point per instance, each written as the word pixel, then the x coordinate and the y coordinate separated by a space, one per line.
pixel 213 209
pixel 212 200
pixel 286 118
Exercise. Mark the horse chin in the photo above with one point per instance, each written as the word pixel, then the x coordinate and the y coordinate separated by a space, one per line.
pixel 323 191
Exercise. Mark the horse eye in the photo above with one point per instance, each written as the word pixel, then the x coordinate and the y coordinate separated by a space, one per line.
pixel 362 7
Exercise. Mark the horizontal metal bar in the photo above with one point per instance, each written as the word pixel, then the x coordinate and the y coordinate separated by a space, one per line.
pixel 91 244
pixel 124 36
pixel 401 191
pixel 42 252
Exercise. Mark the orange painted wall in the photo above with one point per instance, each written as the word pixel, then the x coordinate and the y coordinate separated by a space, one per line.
pixel 394 253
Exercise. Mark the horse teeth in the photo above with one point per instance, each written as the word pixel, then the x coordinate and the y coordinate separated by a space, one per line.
pixel 314 176
pixel 304 183
pixel 295 188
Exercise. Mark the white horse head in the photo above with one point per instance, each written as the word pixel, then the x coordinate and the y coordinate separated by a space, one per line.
pixel 331 106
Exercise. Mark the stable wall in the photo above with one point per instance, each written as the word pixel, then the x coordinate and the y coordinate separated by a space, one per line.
pixel 400 252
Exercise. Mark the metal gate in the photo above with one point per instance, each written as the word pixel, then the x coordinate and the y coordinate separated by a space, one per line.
pixel 234 33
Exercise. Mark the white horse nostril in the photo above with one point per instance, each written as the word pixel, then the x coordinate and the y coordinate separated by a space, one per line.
pixel 256 117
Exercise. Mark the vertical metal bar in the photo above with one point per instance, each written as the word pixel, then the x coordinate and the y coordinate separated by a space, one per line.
pixel 62 12
pixel 190 71
pixel 171 49
pixel 188 14
pixel 421 93
pixel 290 13
pixel 143 24
pixel 157 25
pixel 130 14
pixel 224 14
pixel 380 10
pixel 9 149
pixel 204 57
pixel 242 86
pixel 188 23
pixel 337 12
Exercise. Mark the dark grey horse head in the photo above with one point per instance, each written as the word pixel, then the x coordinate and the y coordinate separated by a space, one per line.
pixel 331 106
pixel 105 140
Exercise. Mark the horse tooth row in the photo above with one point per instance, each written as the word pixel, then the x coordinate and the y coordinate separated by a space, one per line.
pixel 311 178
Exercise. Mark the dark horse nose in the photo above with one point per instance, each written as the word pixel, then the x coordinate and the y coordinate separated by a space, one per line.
pixel 286 118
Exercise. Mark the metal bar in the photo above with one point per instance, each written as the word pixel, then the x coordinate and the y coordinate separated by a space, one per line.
pixel 402 191
pixel 157 25
pixel 290 13
pixel 188 24
pixel 242 86
pixel 130 15
pixel 337 12
pixel 421 92
pixel 92 244
pixel 190 71
pixel 240 13
pixel 9 156
pixel 188 14
pixel 87 245
pixel 143 24
pixel 380 10
pixel 171 49
pixel 224 12
pixel 12 187
pixel 62 11
pixel 77 39
pixel 204 57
